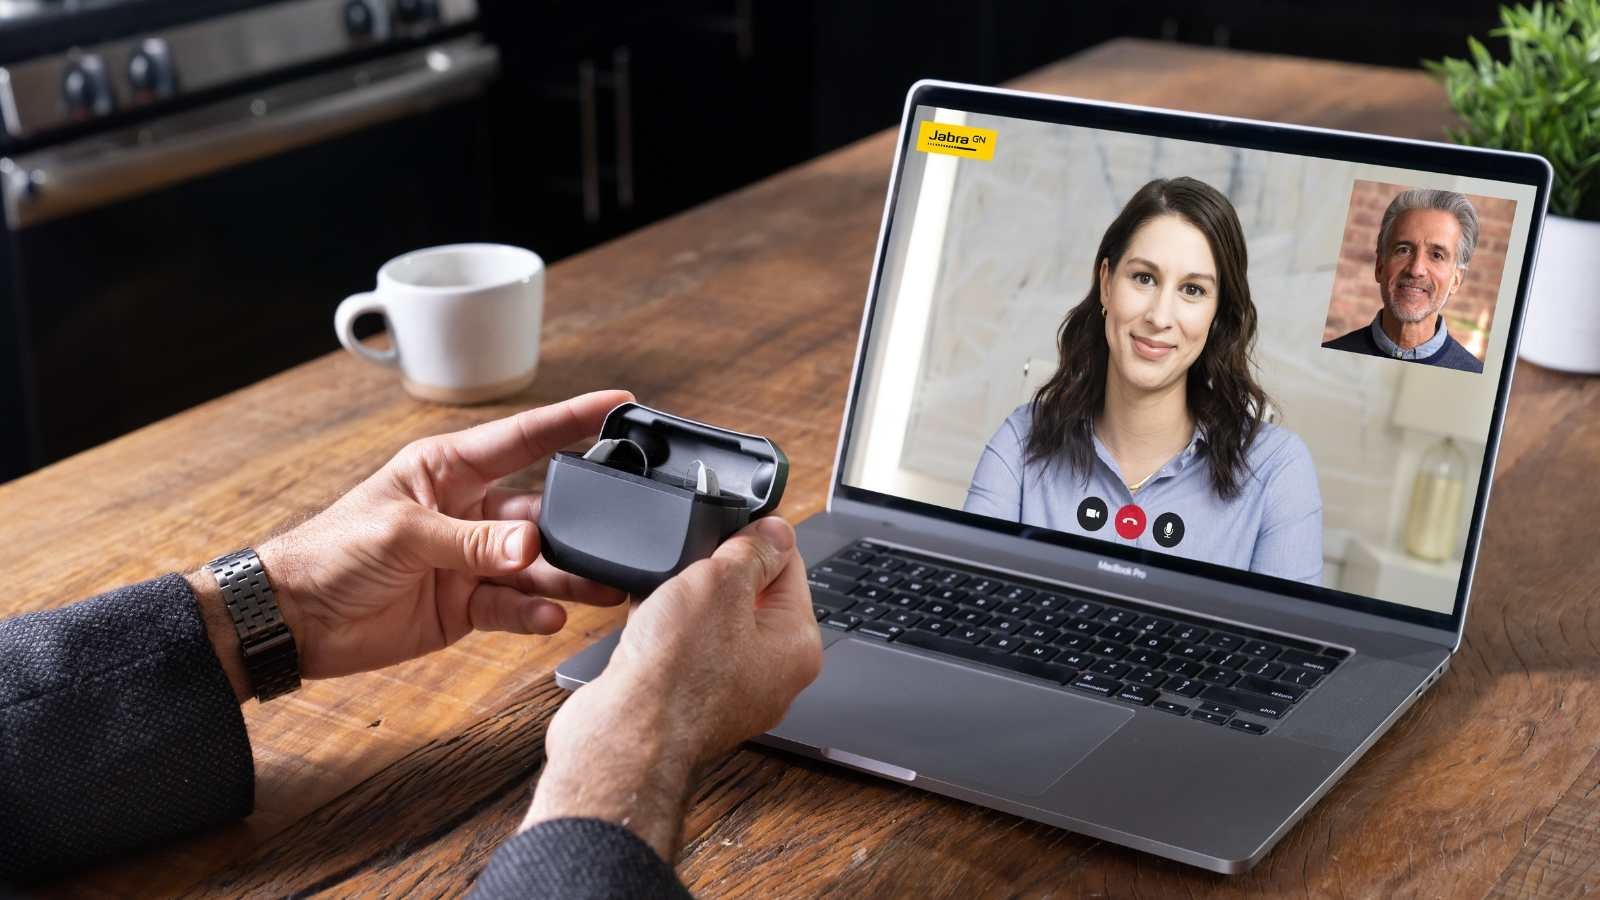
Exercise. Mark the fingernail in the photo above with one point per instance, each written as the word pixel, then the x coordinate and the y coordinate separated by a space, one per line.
pixel 516 538
pixel 777 532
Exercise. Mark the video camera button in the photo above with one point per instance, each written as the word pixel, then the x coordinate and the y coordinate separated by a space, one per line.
pixel 1092 514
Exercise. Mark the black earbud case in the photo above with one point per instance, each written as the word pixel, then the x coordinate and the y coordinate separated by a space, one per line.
pixel 605 519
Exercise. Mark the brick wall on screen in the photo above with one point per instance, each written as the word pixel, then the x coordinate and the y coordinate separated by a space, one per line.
pixel 1355 292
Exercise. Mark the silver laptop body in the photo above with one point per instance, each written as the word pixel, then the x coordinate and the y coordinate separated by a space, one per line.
pixel 1130 771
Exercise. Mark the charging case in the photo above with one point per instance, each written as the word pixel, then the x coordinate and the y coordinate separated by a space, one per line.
pixel 604 519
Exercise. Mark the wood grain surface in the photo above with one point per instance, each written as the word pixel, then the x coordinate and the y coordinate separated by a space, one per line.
pixel 745 312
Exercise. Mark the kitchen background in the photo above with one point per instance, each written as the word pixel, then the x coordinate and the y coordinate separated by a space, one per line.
pixel 191 186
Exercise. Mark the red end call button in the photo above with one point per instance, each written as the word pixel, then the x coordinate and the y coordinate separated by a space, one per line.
pixel 1130 522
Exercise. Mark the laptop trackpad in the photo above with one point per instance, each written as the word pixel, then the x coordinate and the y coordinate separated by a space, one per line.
pixel 944 721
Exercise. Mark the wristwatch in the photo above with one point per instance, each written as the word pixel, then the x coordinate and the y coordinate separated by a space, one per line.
pixel 270 655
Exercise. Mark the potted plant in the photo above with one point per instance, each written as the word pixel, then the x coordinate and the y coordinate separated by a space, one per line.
pixel 1545 99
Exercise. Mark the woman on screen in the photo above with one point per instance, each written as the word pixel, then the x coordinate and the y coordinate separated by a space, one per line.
pixel 1151 432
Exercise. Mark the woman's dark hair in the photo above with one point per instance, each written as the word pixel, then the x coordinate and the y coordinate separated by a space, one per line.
pixel 1223 396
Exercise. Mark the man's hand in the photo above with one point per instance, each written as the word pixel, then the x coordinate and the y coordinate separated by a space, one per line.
pixel 713 657
pixel 424 551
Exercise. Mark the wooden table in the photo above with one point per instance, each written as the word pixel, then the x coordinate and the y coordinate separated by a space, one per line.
pixel 405 780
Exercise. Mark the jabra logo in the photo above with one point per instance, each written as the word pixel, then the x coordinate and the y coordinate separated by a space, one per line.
pixel 1106 565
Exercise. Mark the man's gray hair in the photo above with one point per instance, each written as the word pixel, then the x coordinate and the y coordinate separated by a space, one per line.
pixel 1430 198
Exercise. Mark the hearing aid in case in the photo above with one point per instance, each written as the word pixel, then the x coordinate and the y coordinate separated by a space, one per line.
pixel 655 493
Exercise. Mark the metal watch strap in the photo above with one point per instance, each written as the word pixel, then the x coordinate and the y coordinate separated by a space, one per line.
pixel 270 655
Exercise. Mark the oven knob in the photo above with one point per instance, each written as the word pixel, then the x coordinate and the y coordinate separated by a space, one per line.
pixel 415 12
pixel 360 19
pixel 150 71
pixel 85 89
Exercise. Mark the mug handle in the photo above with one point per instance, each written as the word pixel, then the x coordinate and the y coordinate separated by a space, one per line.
pixel 344 320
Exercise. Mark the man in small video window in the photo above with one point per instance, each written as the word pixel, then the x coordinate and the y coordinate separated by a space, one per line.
pixel 1424 244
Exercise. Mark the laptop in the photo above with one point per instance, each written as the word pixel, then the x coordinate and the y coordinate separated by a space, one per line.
pixel 1164 464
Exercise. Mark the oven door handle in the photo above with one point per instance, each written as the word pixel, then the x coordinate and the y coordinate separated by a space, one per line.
pixel 101 170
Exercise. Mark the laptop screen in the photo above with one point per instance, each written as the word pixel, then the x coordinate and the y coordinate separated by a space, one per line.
pixel 1255 364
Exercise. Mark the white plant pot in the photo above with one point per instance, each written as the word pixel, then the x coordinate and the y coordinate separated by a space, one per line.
pixel 1561 329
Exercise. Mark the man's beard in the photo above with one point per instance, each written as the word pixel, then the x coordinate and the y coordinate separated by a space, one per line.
pixel 1406 314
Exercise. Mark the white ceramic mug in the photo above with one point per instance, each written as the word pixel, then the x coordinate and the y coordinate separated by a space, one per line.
pixel 463 320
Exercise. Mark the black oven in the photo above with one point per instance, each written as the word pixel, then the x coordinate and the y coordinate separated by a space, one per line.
pixel 158 252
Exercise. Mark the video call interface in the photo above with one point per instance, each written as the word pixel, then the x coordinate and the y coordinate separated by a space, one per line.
pixel 1280 364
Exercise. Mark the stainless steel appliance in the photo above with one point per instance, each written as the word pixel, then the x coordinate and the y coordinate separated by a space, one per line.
pixel 189 188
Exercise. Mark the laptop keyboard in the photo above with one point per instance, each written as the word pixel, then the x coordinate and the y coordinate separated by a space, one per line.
pixel 1186 666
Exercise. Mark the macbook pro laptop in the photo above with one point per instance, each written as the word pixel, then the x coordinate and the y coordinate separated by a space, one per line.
pixel 1164 464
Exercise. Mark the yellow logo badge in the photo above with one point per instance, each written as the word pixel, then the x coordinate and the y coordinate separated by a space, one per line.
pixel 956 140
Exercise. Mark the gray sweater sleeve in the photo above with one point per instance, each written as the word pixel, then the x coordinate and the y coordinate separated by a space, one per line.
pixel 118 730
pixel 568 859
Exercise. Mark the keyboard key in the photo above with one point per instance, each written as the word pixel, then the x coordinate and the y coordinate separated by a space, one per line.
pixel 904 601
pixel 1224 641
pixel 948 595
pixel 1250 703
pixel 1083 609
pixel 1047 600
pixel 919 572
pixel 916 586
pixel 1260 648
pixel 1040 633
pixel 951 579
pixel 1190 651
pixel 885 564
pixel 835 602
pixel 1111 667
pixel 969 634
pixel 1005 642
pixel 870 610
pixel 1116 616
pixel 1153 642
pixel 1212 718
pixel 1016 594
pixel 1185 667
pixel 1300 678
pixel 1015 610
pixel 1149 678
pixel 1121 635
pixel 1108 649
pixel 825 581
pixel 1217 708
pixel 1177 709
pixel 1264 669
pixel 868 545
pixel 1152 625
pixel 857 556
pixel 1054 618
pixel 938 608
pixel 903 618
pixel 1336 652
pixel 1224 659
pixel 1247 727
pixel 1321 665
pixel 983 586
pixel 983 654
pixel 842 569
pixel 1097 684
pixel 1215 675
pixel 973 617
pixel 1184 687
pixel 1009 626
pixel 1076 659
pixel 821 612
pixel 842 621
pixel 883 579
pixel 1040 652
pixel 935 626
pixel 982 602
pixel 1133 693
pixel 1145 658
pixel 1193 634
pixel 1070 641
pixel 1084 626
pixel 872 592
pixel 1285 692
pixel 880 630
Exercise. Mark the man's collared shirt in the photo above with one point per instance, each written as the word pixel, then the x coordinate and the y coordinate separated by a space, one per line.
pixel 1441 350
pixel 1421 351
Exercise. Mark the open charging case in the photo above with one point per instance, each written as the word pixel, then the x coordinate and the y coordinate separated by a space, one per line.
pixel 655 493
